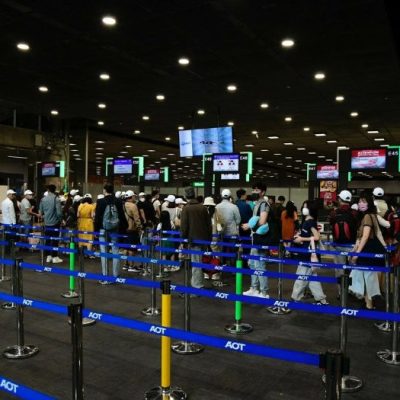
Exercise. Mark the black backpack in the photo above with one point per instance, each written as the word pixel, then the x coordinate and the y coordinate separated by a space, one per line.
pixel 344 228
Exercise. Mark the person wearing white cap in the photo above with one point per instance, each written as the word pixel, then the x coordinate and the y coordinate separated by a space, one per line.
pixel 171 208
pixel 380 203
pixel 73 192
pixel 230 214
pixel 26 210
pixel 169 199
pixel 86 221
pixel 118 194
pixel 7 208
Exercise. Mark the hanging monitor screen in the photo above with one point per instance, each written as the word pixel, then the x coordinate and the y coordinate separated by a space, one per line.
pixel 230 177
pixel 368 159
pixel 226 163
pixel 151 174
pixel 197 142
pixel 48 169
pixel 123 166
pixel 327 172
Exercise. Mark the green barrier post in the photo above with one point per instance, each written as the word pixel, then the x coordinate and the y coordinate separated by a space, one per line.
pixel 71 294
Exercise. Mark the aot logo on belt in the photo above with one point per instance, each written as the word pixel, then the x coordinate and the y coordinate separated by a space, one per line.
pixel 9 386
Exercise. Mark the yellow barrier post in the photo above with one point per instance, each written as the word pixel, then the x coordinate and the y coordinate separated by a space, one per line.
pixel 165 391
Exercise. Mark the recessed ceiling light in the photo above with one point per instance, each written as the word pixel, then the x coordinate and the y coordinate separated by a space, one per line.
pixel 288 158
pixel 167 138
pixel 319 76
pixel 160 97
pixel 329 159
pixel 306 128
pixel 54 112
pixel 364 126
pixel 101 123
pixel 136 132
pixel 231 123
pixel 231 88
pixel 273 137
pixel 312 152
pixel 264 150
pixel 298 161
pixel 264 105
pixel 109 20
pixel 258 158
pixel 145 155
pixel 254 132
pixel 287 43
pixel 120 156
pixel 102 105
pixel 104 77
pixel 339 98
pixel 99 154
pixel 288 143
pixel 128 146
pixel 384 145
pixel 321 156
pixel 288 119
pixel 354 114
pixel 379 139
pixel 201 112
pixel 74 150
pixel 99 148
pixel 151 150
pixel 373 132
pixel 331 141
pixel 170 154
pixel 319 134
pixel 277 154
pixel 124 152
pixel 43 89
pixel 249 145
pixel 23 46
pixel 301 148
pixel 181 128
pixel 99 141
pixel 184 61
pixel 145 117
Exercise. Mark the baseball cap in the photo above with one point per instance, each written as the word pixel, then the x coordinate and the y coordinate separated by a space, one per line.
pixel 345 195
pixel 209 201
pixel 129 194
pixel 10 191
pixel 118 194
pixel 142 194
pixel 179 200
pixel 378 192
pixel 87 196
pixel 28 192
pixel 170 198
pixel 77 198
pixel 226 193
pixel 74 192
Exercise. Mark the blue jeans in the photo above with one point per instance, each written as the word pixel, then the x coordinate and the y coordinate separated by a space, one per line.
pixel 258 282
pixel 116 262
pixel 197 280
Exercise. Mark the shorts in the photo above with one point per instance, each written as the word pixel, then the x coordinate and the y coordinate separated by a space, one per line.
pixel 133 237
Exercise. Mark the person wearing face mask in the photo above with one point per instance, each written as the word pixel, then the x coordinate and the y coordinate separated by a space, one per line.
pixel 27 213
pixel 259 284
pixel 369 240
pixel 146 210
pixel 307 238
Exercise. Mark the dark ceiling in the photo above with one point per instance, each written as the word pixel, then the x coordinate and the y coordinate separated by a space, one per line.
pixel 227 41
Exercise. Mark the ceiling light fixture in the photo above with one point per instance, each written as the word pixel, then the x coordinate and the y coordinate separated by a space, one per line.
pixel 306 129
pixel 354 114
pixel 43 89
pixel 167 138
pixel 231 88
pixel 379 139
pixel 264 150
pixel 273 137
pixel 181 128
pixel 98 141
pixel 254 132
pixel 160 97
pixel 287 43
pixel 184 61
pixel 319 134
pixel 288 143
pixel 151 150
pixel 54 112
pixel 109 20
pixel 101 123
pixel 264 105
pixel 312 152
pixel 288 119
pixel 249 145
pixel 319 76
pixel 102 105
pixel 23 46
pixel 301 148
pixel 364 126
pixel 201 112
pixel 331 141
pixel 104 76
pixel 373 132
pixel 231 123
pixel 339 98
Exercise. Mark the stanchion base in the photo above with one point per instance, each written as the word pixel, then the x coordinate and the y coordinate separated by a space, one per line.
pixel 85 321
pixel 239 328
pixel 163 275
pixel 5 279
pixel 278 310
pixel 70 295
pixel 151 311
pixel 350 384
pixel 8 306
pixel 19 352
pixel 158 393
pixel 186 348
pixel 385 326
pixel 389 357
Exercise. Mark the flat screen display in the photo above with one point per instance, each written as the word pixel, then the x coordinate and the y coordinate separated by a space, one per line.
pixel 327 172
pixel 151 174
pixel 49 169
pixel 368 159
pixel 123 166
pixel 230 177
pixel 226 163
pixel 197 142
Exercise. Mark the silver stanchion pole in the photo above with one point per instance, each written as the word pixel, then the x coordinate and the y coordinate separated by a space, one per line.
pixel 392 356
pixel 185 347
pixel 386 326
pixel 161 273
pixel 20 350
pixel 3 276
pixel 75 314
pixel 278 310
pixel 334 362
pixel 152 310
pixel 11 305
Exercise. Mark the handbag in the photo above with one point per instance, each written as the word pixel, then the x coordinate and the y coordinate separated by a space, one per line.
pixel 210 260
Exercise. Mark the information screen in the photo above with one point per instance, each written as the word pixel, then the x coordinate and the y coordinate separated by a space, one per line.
pixel 226 163
pixel 197 142
pixel 123 166
pixel 49 169
pixel 327 172
pixel 151 174
pixel 368 159
pixel 230 177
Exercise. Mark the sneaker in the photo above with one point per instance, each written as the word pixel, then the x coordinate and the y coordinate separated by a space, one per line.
pixel 322 302
pixel 174 269
pixel 206 276
pixel 219 284
pixel 105 282
pixel 216 277
pixel 49 259
pixel 135 269
pixel 251 292
pixel 263 295
pixel 57 260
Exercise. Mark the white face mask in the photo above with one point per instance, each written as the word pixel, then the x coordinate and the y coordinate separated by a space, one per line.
pixel 141 199
pixel 305 211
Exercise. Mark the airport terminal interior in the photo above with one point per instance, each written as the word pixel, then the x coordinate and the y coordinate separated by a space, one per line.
pixel 200 199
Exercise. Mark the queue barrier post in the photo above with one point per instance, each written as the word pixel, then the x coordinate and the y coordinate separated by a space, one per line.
pixel 184 347
pixel 161 273
pixel 279 310
pixel 3 276
pixel 20 350
pixel 85 321
pixel 75 314
pixel 239 327
pixel 11 305
pixel 165 391
pixel 334 364
pixel 71 294
pixel 42 242
pixel 386 326
pixel 392 356
pixel 152 310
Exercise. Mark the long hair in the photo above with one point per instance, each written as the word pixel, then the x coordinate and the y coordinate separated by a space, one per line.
pixel 370 200
pixel 290 209
pixel 165 220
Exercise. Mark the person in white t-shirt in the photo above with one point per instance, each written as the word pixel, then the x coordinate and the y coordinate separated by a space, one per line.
pixel 7 208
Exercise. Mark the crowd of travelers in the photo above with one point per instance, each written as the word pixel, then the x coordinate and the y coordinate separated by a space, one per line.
pixel 363 226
